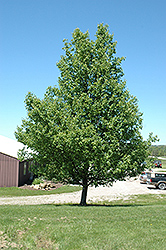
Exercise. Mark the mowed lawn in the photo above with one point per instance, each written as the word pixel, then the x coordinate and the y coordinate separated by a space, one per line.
pixel 163 164
pixel 16 191
pixel 138 223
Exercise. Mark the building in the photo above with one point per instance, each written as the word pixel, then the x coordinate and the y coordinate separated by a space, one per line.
pixel 12 171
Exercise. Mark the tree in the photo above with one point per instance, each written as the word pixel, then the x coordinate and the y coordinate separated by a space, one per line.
pixel 87 131
pixel 158 150
pixel 22 154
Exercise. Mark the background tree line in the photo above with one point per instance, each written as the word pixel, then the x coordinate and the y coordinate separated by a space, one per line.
pixel 158 150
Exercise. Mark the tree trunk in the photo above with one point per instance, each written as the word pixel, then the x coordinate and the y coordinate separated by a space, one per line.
pixel 84 193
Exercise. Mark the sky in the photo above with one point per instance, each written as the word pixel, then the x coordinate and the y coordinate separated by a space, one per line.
pixel 31 41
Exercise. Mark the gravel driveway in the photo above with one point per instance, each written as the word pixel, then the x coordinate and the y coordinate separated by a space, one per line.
pixel 120 189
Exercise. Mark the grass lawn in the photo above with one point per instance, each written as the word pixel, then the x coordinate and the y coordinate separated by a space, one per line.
pixel 163 164
pixel 138 223
pixel 15 191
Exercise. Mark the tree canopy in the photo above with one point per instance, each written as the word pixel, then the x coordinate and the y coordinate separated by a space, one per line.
pixel 88 130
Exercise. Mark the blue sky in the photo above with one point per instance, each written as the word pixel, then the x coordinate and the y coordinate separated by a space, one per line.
pixel 31 41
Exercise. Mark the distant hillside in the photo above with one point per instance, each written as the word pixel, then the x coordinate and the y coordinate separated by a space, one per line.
pixel 159 150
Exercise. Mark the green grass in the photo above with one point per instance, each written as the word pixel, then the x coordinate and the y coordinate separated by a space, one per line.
pixel 15 191
pixel 138 223
pixel 139 200
pixel 163 164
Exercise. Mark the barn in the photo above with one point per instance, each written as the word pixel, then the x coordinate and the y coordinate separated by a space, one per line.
pixel 12 171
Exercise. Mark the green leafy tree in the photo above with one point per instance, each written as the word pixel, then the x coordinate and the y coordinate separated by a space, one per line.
pixel 23 154
pixel 87 131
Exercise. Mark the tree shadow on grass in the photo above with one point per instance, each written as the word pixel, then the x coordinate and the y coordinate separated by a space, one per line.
pixel 97 205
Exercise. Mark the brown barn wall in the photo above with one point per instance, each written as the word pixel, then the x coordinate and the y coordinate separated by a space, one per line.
pixel 9 168
pixel 24 174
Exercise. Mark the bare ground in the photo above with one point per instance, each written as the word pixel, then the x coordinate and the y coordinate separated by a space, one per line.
pixel 119 190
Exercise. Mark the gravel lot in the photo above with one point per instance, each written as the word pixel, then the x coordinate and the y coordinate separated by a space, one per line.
pixel 120 189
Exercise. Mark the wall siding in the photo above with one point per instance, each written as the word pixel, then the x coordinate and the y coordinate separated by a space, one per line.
pixel 23 177
pixel 9 171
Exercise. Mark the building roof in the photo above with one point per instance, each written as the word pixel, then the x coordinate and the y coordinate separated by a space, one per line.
pixel 9 146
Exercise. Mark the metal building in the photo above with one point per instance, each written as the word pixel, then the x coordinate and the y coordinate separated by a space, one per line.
pixel 24 173
pixel 12 171
pixel 9 171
